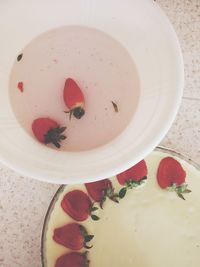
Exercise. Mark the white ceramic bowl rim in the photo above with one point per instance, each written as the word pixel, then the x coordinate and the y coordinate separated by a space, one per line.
pixel 151 41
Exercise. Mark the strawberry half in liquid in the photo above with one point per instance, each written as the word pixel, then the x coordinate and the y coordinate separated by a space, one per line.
pixel 171 176
pixel 100 190
pixel 73 236
pixel 133 177
pixel 73 259
pixel 48 131
pixel 74 99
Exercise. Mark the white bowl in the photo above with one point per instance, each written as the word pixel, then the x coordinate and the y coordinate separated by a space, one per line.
pixel 147 34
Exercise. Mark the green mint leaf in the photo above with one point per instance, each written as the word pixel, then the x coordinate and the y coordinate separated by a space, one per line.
pixel 94 217
pixel 180 195
pixel 182 188
pixel 187 191
pixel 122 192
pixel 61 129
pixel 88 238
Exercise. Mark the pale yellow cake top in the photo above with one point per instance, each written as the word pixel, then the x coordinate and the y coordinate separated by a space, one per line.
pixel 150 227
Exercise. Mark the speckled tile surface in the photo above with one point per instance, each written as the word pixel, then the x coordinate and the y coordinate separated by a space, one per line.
pixel 23 202
pixel 185 17
pixel 184 135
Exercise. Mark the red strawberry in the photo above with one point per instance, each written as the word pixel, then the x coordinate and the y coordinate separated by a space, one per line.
pixel 132 177
pixel 171 176
pixel 48 131
pixel 73 236
pixel 100 190
pixel 77 204
pixel 73 259
pixel 74 99
pixel 136 173
pixel 20 86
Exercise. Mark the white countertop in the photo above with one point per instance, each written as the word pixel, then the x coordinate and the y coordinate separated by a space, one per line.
pixel 23 201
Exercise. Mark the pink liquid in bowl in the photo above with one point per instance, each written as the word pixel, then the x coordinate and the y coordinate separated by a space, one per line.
pixel 102 68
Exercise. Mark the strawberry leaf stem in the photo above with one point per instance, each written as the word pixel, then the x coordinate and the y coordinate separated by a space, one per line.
pixel 55 136
pixel 130 184
pixel 77 112
pixel 180 190
pixel 180 195
pixel 109 193
pixel 86 236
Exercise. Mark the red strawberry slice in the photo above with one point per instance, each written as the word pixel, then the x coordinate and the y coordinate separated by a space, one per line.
pixel 135 173
pixel 48 131
pixel 100 190
pixel 170 172
pixel 96 189
pixel 74 99
pixel 77 204
pixel 73 259
pixel 133 177
pixel 171 176
pixel 73 236
pixel 20 86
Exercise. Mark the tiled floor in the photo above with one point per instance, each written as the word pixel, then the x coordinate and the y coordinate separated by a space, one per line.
pixel 23 202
